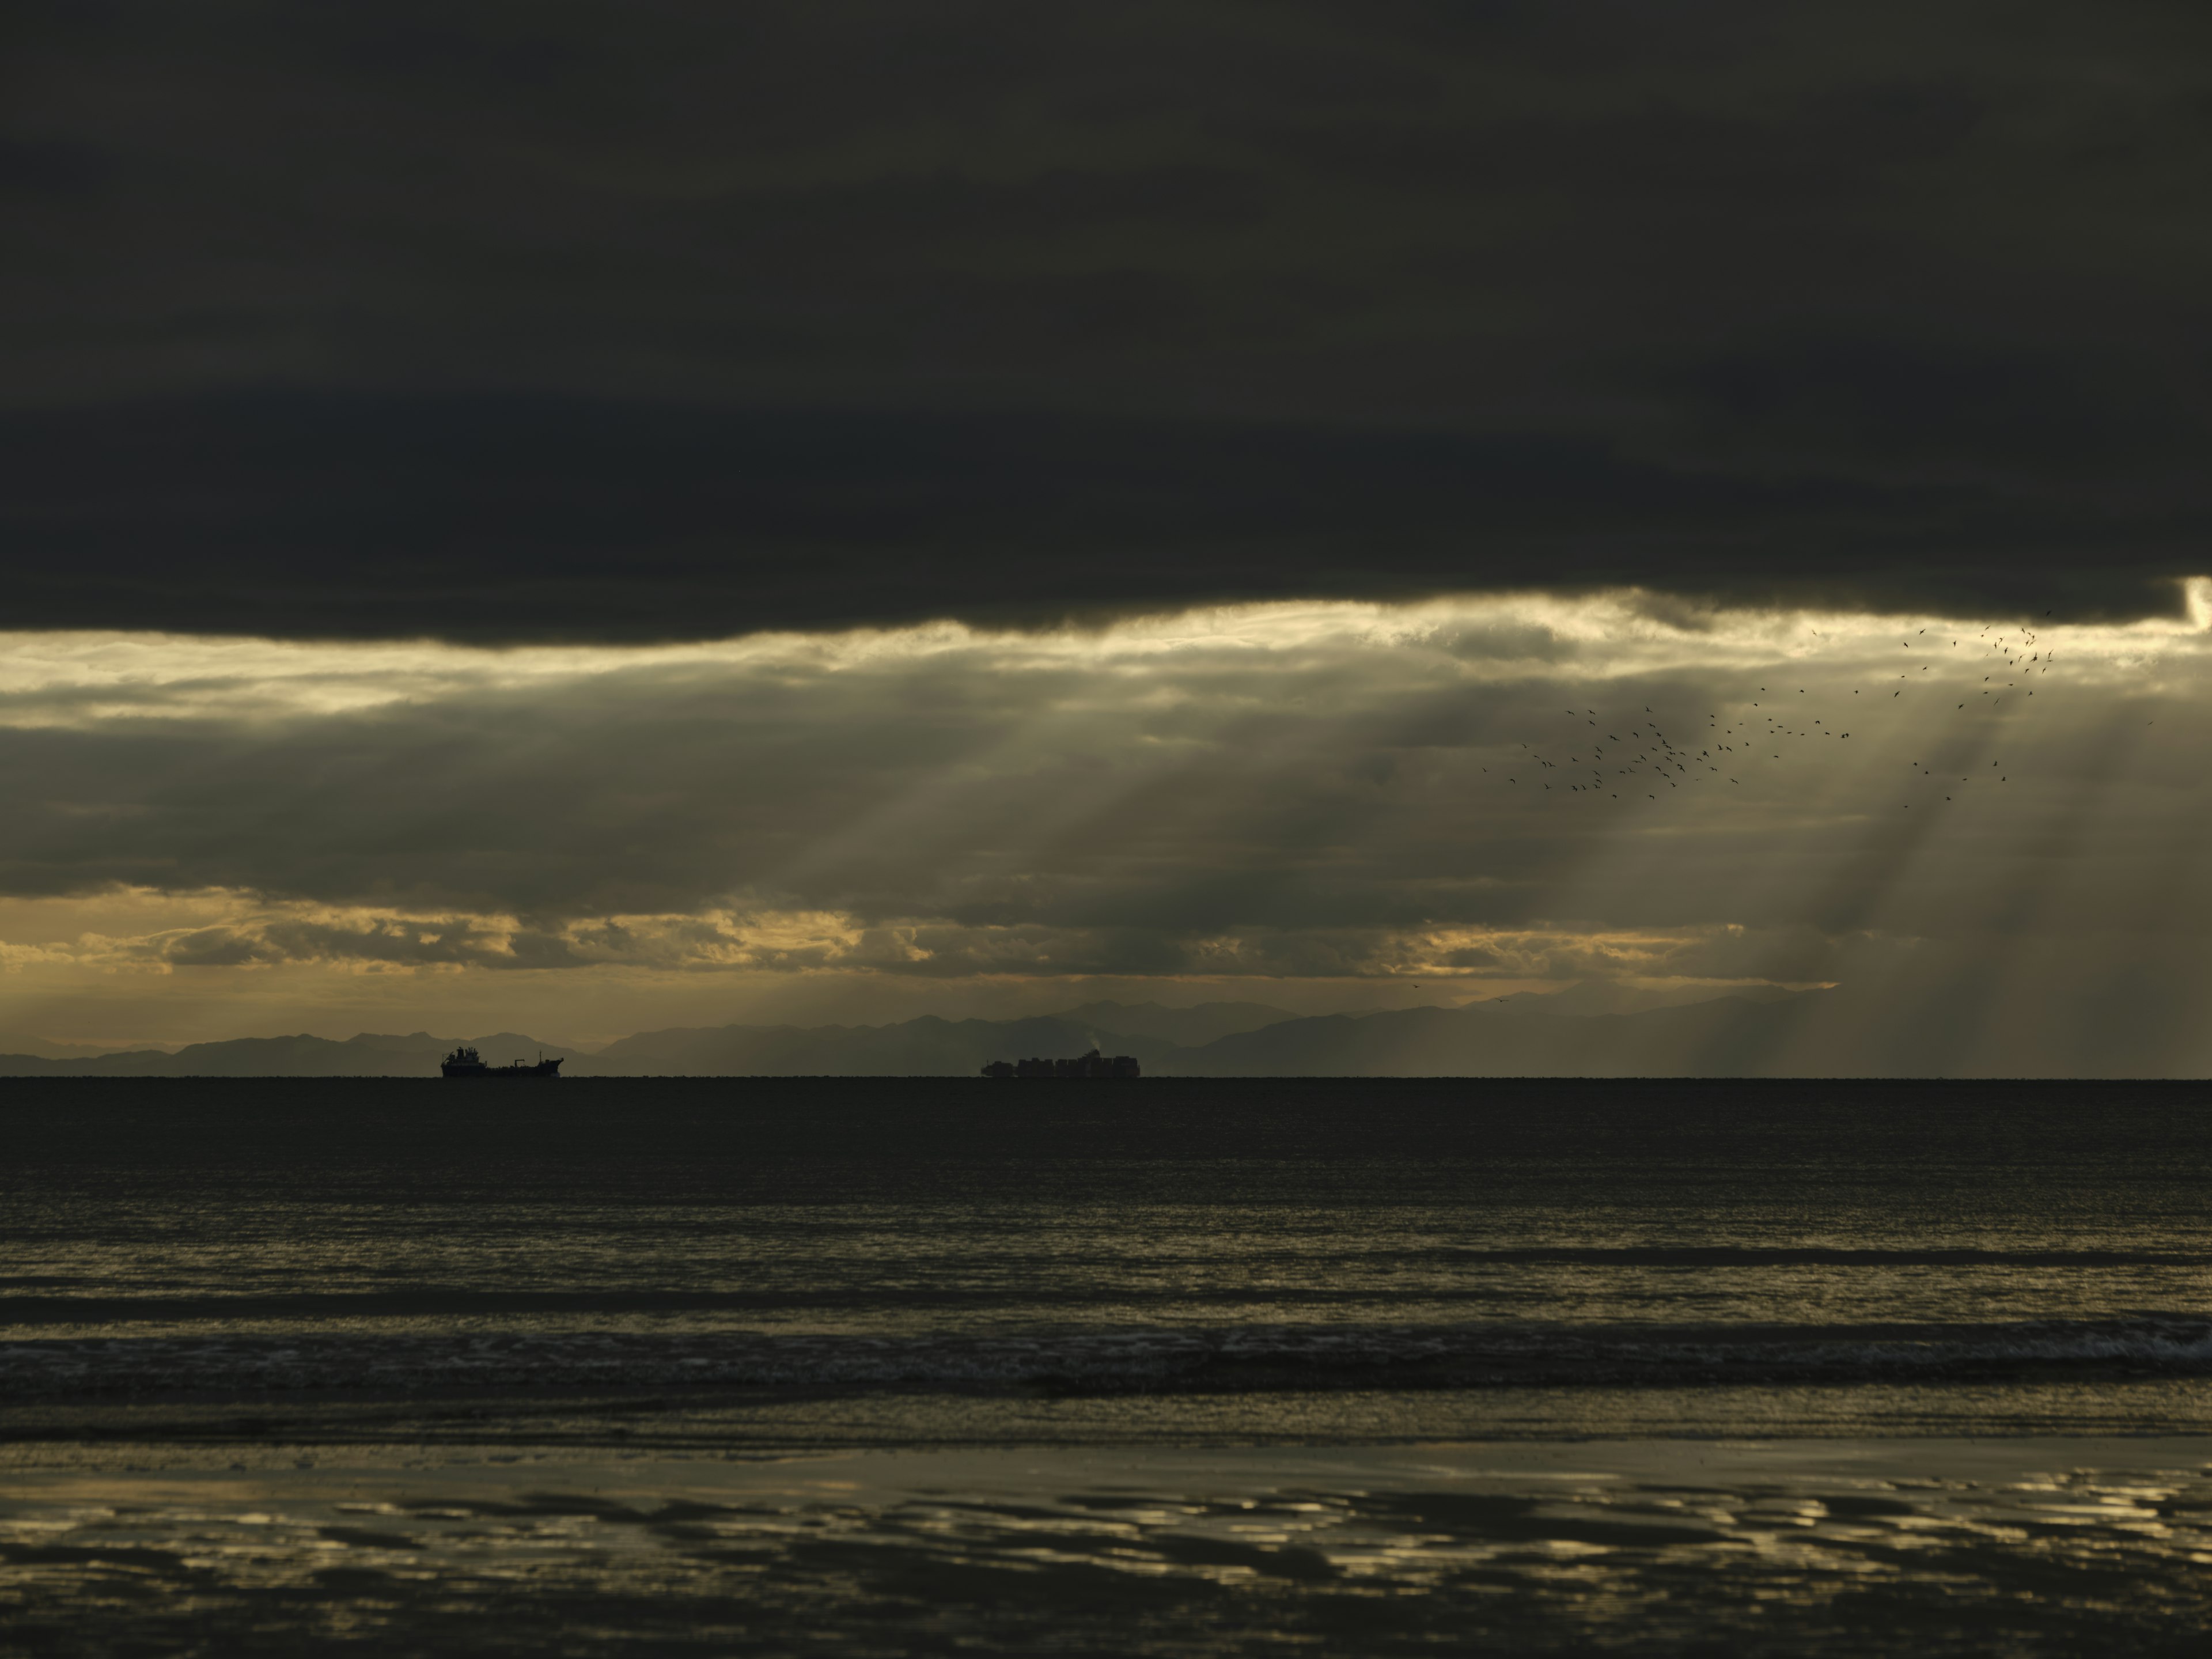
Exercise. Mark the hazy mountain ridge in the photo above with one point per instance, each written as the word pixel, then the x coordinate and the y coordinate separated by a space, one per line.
pixel 18 1045
pixel 1830 1033
pixel 368 1055
pixel 1729 1036
pixel 927 1047
pixel 1726 1037
pixel 1187 1027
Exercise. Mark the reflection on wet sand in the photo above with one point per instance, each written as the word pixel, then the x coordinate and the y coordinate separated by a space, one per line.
pixel 1801 1547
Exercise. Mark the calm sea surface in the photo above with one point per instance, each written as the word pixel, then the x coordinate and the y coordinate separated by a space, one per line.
pixel 1180 1367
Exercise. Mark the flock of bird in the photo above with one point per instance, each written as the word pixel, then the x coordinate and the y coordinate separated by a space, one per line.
pixel 1605 758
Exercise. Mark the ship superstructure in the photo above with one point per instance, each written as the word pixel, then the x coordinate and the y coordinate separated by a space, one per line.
pixel 465 1061
pixel 1093 1064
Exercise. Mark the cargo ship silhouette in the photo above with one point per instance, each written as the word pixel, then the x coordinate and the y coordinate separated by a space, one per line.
pixel 465 1061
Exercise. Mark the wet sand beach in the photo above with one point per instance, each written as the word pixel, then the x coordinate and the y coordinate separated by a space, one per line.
pixel 1932 1546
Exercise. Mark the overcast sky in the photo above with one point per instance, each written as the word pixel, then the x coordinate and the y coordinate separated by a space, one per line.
pixel 587 517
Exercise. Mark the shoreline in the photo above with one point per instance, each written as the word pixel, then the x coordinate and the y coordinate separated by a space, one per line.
pixel 274 1429
pixel 48 1467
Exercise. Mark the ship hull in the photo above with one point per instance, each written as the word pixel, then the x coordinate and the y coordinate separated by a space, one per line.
pixel 543 1068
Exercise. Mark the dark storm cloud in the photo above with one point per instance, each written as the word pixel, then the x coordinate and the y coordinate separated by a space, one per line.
pixel 499 518
pixel 557 322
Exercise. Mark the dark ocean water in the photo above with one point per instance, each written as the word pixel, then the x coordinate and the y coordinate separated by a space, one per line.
pixel 532 1280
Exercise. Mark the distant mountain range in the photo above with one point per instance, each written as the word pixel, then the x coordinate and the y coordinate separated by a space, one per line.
pixel 1730 1036
pixel 1187 1027
pixel 1814 1034
pixel 1523 1038
pixel 928 1047
pixel 367 1056
pixel 916 1048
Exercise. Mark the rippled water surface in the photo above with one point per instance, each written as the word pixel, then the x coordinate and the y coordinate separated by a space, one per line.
pixel 399 1276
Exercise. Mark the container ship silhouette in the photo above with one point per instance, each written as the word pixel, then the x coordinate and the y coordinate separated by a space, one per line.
pixel 465 1061
pixel 1093 1064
